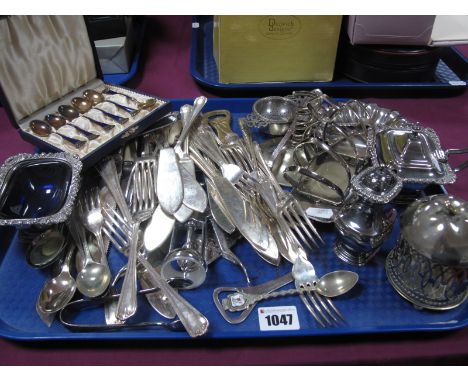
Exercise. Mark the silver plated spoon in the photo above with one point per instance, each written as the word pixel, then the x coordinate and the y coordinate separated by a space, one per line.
pixel 337 283
pixel 84 105
pixel 332 284
pixel 94 278
pixel 58 291
pixel 46 248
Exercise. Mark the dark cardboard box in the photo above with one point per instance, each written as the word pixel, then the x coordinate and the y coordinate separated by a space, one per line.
pixel 104 27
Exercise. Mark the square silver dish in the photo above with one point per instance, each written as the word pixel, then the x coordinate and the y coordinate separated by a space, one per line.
pixel 38 189
pixel 413 151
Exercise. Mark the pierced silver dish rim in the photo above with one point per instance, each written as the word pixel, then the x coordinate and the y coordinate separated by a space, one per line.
pixel 416 302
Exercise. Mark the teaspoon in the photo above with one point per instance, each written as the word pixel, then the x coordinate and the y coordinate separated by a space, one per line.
pixel 334 284
pixel 42 129
pixel 57 292
pixel 84 105
pixel 97 98
pixel 94 278
pixel 57 121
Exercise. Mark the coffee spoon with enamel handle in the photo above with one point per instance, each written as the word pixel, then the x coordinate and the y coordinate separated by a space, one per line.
pixel 70 113
pixel 84 105
pixel 57 121
pixel 42 129
pixel 148 104
pixel 97 98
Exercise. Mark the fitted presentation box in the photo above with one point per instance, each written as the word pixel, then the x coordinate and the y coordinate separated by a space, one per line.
pixel 424 30
pixel 45 62
pixel 275 48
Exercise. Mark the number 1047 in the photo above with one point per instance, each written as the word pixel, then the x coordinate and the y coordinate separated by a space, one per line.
pixel 275 319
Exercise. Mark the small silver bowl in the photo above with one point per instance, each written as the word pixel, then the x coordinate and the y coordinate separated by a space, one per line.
pixel 277 112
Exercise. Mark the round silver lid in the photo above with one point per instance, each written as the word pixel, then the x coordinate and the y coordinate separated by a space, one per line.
pixel 437 227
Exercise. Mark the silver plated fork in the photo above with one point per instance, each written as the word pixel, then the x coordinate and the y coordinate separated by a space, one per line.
pixel 211 157
pixel 289 209
pixel 235 151
pixel 321 308
pixel 139 193
pixel 194 322
pixel 116 228
pixel 142 207
pixel 92 218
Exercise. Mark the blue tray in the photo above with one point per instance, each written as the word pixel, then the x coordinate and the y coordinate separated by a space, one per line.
pixel 372 307
pixel 451 74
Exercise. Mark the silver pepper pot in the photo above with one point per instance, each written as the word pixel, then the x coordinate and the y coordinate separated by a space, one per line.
pixel 364 221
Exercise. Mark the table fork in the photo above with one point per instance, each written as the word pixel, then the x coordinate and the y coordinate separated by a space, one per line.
pixel 116 228
pixel 139 193
pixel 288 208
pixel 194 322
pixel 142 207
pixel 234 150
pixel 322 309
pixel 92 218
pixel 211 156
